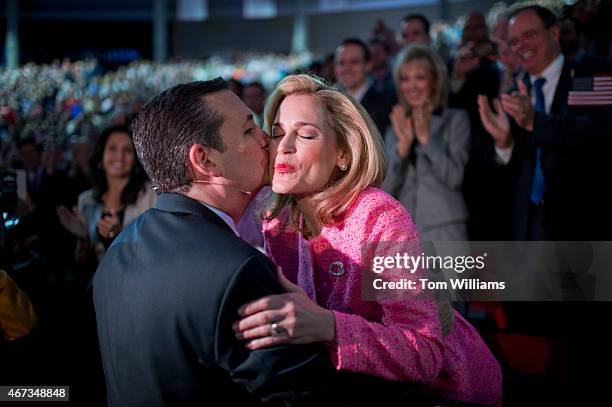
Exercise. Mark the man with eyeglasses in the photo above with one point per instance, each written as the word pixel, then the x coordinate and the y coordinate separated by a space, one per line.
pixel 557 152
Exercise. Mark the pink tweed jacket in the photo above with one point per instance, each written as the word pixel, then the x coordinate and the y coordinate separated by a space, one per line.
pixel 392 339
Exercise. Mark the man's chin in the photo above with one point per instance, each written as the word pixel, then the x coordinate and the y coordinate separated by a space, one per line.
pixel 267 177
pixel 265 182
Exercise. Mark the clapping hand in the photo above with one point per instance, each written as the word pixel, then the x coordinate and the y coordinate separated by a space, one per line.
pixel 421 117
pixel 518 106
pixel 495 123
pixel 73 221
pixel 109 225
pixel 402 127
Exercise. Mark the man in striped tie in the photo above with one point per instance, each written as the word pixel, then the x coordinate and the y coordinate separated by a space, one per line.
pixel 560 158
pixel 555 152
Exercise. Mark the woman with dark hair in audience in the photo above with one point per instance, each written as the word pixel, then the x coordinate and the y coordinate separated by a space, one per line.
pixel 121 193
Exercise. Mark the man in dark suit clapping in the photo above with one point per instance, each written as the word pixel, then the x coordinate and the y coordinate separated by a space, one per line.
pixel 556 152
pixel 559 155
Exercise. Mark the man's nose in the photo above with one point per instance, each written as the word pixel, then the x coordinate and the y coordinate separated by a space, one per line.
pixel 263 138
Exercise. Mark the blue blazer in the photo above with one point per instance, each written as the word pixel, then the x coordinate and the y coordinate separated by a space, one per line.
pixel 166 295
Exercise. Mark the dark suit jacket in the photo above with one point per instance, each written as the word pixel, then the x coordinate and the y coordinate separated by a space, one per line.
pixel 166 296
pixel 379 108
pixel 485 183
pixel 484 80
pixel 576 145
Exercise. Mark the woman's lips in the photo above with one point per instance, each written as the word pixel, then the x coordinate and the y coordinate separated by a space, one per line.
pixel 284 168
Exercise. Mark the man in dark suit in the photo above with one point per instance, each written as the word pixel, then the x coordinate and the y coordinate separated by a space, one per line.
pixel 473 72
pixel 559 156
pixel 169 288
pixel 352 63
pixel 556 152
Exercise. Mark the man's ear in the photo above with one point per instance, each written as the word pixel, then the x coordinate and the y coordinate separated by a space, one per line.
pixel 369 65
pixel 200 161
pixel 554 32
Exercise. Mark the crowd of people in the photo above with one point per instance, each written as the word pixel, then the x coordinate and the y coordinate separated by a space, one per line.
pixel 481 144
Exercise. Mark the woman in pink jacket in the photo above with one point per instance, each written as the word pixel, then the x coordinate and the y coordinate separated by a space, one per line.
pixel 328 221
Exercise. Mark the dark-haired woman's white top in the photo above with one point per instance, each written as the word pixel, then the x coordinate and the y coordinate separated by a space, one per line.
pixel 92 212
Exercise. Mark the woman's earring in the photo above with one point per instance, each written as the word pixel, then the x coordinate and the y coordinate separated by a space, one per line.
pixel 344 167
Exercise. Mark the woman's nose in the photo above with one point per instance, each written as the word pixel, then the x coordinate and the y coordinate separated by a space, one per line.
pixel 286 146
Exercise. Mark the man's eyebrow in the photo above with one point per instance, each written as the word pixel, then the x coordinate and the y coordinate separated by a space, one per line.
pixel 249 118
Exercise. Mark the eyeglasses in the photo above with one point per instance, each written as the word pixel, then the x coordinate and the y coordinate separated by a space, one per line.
pixel 526 36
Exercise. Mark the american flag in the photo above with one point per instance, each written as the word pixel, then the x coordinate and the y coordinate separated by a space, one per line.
pixel 591 91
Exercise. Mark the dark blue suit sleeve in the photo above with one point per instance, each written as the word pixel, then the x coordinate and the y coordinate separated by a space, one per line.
pixel 285 375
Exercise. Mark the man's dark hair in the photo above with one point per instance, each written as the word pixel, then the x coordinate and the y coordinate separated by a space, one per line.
pixel 421 18
pixel 546 15
pixel 359 43
pixel 256 84
pixel 378 41
pixel 137 180
pixel 169 124
pixel 235 86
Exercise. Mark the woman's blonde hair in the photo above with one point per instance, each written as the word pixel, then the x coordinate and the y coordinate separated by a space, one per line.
pixel 354 132
pixel 439 74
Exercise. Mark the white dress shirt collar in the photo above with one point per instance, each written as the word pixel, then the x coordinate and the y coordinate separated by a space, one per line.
pixel 551 73
pixel 226 218
pixel 360 93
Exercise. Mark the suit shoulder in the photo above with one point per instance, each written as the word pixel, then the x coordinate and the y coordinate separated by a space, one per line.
pixel 379 97
pixel 455 114
pixel 591 65
pixel 200 240
pixel 254 268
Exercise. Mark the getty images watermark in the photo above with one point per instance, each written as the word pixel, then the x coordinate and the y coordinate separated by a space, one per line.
pixel 411 264
pixel 487 271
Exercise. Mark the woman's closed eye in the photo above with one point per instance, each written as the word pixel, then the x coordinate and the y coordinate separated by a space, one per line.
pixel 307 133
pixel 307 136
pixel 300 132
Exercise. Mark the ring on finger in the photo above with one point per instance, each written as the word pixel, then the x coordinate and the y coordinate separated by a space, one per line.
pixel 275 329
